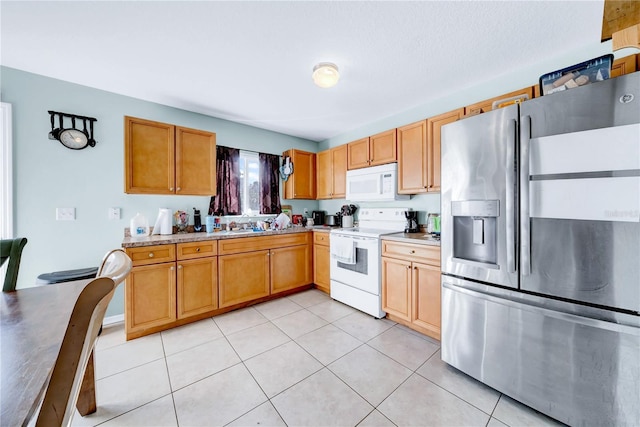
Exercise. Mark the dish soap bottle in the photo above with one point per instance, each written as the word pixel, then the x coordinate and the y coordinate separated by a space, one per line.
pixel 139 226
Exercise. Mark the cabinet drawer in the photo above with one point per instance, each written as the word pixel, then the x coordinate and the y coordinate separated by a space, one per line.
pixel 321 238
pixel 146 255
pixel 407 251
pixel 270 241
pixel 197 249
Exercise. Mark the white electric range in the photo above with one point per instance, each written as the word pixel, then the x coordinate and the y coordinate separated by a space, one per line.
pixel 356 280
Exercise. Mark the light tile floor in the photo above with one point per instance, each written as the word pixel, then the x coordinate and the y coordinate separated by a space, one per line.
pixel 303 360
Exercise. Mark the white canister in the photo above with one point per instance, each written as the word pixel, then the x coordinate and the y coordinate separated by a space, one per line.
pixel 347 221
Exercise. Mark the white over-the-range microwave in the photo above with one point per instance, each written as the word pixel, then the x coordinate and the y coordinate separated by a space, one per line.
pixel 374 184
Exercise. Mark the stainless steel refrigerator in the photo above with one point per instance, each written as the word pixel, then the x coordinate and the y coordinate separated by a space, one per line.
pixel 541 251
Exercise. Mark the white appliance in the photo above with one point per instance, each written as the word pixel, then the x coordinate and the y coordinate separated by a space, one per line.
pixel 375 184
pixel 355 258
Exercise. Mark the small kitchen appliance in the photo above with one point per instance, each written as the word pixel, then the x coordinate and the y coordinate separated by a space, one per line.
pixel 412 222
pixel 332 220
pixel 318 217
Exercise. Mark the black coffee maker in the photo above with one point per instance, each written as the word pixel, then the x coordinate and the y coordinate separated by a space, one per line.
pixel 412 222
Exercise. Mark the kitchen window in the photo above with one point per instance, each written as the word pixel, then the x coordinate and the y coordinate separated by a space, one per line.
pixel 249 182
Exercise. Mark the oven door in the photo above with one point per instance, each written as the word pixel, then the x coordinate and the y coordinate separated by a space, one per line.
pixel 365 273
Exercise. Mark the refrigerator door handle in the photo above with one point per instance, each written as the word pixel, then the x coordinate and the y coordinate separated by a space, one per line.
pixel 510 196
pixel 525 221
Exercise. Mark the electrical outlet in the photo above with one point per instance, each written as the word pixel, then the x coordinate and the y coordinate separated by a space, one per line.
pixel 306 212
pixel 114 213
pixel 65 214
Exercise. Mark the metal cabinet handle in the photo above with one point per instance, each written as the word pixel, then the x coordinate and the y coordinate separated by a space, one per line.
pixel 412 251
pixel 170 188
pixel 179 267
pixel 408 267
pixel 415 268
pixel 171 268
pixel 178 189
pixel 150 254
pixel 197 249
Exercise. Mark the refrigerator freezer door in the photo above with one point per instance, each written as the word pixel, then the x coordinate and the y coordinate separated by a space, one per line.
pixel 580 188
pixel 577 369
pixel 478 196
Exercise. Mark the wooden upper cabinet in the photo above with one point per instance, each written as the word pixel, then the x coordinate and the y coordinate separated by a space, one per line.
pixel 371 151
pixel 412 158
pixel 149 157
pixel 623 66
pixel 195 162
pixel 301 184
pixel 434 139
pixel 339 161
pixel 161 158
pixel 332 173
pixel 486 105
pixel 382 148
pixel 358 154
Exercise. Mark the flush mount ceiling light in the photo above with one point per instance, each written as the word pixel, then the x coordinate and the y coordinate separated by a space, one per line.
pixel 325 74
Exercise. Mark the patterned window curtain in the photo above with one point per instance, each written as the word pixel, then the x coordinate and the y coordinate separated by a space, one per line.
pixel 227 198
pixel 269 183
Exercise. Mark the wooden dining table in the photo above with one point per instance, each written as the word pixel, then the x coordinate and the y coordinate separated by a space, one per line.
pixel 33 322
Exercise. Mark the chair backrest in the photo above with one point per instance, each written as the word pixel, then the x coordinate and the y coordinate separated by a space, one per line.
pixel 11 249
pixel 61 395
pixel 116 265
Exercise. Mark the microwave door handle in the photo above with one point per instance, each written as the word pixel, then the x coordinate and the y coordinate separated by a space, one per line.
pixel 525 220
pixel 510 195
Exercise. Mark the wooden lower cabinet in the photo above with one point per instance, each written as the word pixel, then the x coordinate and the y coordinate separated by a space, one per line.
pixel 426 297
pixel 396 288
pixel 150 297
pixel 321 261
pixel 290 268
pixel 175 284
pixel 243 277
pixel 411 286
pixel 197 286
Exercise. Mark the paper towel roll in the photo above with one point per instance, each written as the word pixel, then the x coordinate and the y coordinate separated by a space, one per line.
pixel 164 223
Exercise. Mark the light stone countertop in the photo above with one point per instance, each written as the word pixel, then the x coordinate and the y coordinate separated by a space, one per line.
pixel 131 242
pixel 418 238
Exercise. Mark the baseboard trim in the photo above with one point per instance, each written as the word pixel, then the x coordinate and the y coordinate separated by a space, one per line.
pixel 118 318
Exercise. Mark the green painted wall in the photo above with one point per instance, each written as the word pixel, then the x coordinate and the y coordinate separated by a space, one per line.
pixel 47 175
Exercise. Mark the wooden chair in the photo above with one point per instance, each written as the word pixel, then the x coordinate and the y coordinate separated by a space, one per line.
pixel 116 264
pixel 75 360
pixel 11 250
pixel 63 389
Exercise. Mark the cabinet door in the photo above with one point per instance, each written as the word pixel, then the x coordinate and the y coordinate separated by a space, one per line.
pixel 412 158
pixel 195 162
pixel 197 286
pixel 486 105
pixel 243 277
pixel 339 162
pixel 290 268
pixel 150 297
pixel 396 288
pixel 434 126
pixel 358 154
pixel 324 177
pixel 382 148
pixel 623 66
pixel 149 157
pixel 426 298
pixel 302 183
pixel 321 264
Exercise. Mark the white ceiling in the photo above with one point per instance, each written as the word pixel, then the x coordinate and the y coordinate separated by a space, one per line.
pixel 251 62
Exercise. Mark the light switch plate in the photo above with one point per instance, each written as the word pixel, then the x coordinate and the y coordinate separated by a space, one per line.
pixel 65 214
pixel 114 213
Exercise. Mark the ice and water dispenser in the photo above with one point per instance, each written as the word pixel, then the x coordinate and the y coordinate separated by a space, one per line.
pixel 475 235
